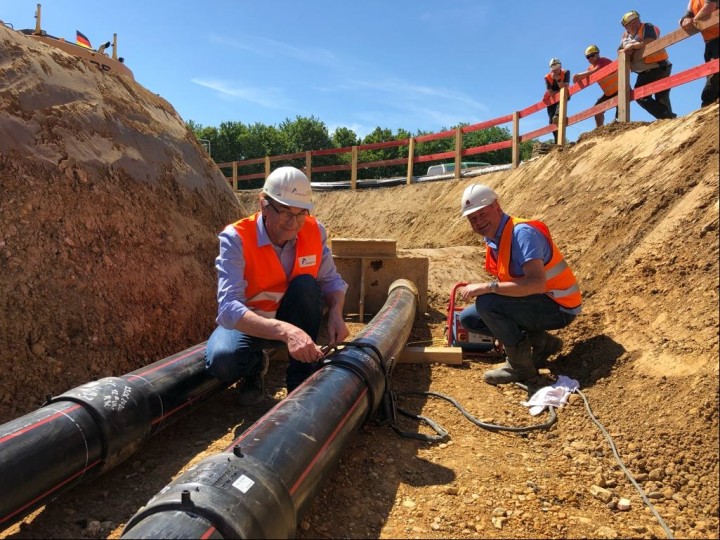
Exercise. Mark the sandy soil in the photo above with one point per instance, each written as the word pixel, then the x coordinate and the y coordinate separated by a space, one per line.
pixel 107 236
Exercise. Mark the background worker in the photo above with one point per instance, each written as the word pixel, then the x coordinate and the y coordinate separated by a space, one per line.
pixel 609 84
pixel 275 272
pixel 654 67
pixel 555 80
pixel 534 289
pixel 698 11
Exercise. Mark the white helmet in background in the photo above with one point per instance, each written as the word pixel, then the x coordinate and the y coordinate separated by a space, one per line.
pixel 555 63
pixel 289 186
pixel 475 197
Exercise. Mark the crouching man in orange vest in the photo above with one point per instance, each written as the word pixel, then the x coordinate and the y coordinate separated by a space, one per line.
pixel 275 276
pixel 534 289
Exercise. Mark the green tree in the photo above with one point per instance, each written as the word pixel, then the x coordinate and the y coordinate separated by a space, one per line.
pixel 344 137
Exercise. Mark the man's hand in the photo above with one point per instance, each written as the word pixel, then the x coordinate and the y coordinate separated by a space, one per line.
pixel 687 23
pixel 301 346
pixel 471 290
pixel 337 329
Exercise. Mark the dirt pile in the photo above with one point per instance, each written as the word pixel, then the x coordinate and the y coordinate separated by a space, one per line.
pixel 108 217
pixel 106 250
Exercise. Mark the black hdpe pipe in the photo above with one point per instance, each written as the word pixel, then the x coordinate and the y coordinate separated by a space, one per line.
pixel 269 475
pixel 84 432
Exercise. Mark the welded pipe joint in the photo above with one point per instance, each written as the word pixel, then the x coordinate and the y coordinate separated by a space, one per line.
pixel 237 494
pixel 122 411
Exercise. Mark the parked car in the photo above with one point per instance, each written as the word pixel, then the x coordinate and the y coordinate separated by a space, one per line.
pixel 445 168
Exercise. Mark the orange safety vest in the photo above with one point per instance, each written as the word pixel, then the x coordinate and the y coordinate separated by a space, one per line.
pixel 608 84
pixel 655 57
pixel 550 80
pixel 709 33
pixel 561 285
pixel 266 280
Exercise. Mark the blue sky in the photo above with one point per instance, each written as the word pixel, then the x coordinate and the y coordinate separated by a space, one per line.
pixel 412 64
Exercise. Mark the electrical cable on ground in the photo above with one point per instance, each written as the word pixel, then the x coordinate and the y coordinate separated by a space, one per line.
pixel 607 436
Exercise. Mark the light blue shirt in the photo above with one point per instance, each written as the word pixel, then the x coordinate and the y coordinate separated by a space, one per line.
pixel 527 243
pixel 230 265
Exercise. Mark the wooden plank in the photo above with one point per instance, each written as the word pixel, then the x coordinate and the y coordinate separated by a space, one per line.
pixel 364 247
pixel 380 273
pixel 361 294
pixel 431 355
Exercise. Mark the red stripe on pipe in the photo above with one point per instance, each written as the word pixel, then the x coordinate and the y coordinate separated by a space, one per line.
pixel 49 491
pixel 26 429
pixel 181 407
pixel 169 362
pixel 208 533
pixel 328 441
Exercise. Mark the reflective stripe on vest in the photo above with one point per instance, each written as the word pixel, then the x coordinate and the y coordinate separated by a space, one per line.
pixel 560 283
pixel 265 276
pixel 657 56
pixel 709 33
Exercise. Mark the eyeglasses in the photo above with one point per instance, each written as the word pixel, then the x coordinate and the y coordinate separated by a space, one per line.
pixel 287 215
pixel 589 56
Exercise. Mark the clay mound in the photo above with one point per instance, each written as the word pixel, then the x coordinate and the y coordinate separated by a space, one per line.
pixel 108 221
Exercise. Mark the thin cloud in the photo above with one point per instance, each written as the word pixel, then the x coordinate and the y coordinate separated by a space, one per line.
pixel 405 90
pixel 269 97
pixel 272 48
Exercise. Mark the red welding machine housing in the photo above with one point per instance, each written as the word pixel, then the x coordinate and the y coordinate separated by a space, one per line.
pixel 459 336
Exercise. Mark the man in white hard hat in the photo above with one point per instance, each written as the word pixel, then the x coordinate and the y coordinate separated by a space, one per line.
pixel 533 289
pixel 275 275
pixel 555 80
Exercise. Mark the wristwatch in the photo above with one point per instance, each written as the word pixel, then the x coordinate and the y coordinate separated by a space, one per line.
pixel 494 286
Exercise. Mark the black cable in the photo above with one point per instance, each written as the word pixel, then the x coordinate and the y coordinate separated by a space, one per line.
pixel 484 425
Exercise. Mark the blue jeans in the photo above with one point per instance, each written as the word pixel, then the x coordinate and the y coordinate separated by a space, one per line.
pixel 231 354
pixel 508 318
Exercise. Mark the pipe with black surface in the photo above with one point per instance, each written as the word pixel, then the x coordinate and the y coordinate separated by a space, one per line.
pixel 86 431
pixel 269 475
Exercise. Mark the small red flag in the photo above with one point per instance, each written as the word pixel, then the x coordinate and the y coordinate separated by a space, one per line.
pixel 81 40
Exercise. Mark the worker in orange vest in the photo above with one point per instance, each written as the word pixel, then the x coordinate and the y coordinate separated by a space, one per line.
pixel 533 288
pixel 275 274
pixel 609 84
pixel 698 11
pixel 554 81
pixel 653 67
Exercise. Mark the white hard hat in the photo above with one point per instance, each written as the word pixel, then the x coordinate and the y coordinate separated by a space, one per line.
pixel 555 63
pixel 289 186
pixel 475 197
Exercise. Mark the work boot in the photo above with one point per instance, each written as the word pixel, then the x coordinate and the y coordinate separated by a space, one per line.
pixel 517 367
pixel 252 389
pixel 543 346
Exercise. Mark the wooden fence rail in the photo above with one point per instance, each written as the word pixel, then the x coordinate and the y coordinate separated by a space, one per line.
pixel 622 101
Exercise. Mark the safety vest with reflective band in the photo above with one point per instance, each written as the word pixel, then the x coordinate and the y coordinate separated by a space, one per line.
pixel 560 284
pixel 608 84
pixel 550 81
pixel 709 33
pixel 657 56
pixel 266 280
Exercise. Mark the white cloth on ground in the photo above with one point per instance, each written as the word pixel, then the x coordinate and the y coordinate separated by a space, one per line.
pixel 555 395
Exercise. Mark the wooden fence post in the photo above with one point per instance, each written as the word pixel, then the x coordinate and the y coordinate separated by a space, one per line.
pixel 353 168
pixel 458 150
pixel 411 157
pixel 623 87
pixel 308 164
pixel 267 166
pixel 234 180
pixel 562 116
pixel 515 156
